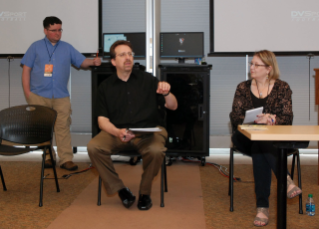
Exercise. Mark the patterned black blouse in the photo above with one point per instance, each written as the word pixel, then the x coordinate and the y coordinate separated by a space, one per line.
pixel 278 102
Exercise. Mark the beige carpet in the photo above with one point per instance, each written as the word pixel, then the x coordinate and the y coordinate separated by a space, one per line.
pixel 183 203
pixel 192 188
pixel 19 205
pixel 216 199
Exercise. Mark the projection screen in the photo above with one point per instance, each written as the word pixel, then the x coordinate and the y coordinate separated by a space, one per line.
pixel 21 23
pixel 277 25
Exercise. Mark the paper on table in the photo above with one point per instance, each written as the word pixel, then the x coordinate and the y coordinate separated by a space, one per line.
pixel 151 129
pixel 253 127
pixel 251 115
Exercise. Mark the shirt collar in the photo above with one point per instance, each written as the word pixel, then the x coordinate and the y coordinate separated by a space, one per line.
pixel 48 42
pixel 133 75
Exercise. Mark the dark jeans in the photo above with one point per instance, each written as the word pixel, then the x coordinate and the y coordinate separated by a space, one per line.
pixel 264 156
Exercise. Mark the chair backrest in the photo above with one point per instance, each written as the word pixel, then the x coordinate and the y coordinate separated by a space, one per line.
pixel 27 124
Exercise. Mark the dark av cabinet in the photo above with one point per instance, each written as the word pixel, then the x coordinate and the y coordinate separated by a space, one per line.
pixel 188 126
pixel 99 74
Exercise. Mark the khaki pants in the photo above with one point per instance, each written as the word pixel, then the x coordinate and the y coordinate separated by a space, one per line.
pixel 62 124
pixel 150 146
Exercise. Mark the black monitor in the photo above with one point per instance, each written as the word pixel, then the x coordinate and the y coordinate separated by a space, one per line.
pixel 182 45
pixel 137 40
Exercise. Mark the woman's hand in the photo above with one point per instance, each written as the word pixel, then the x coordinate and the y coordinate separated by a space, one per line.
pixel 268 119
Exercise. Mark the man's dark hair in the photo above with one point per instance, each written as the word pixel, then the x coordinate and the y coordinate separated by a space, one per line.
pixel 117 43
pixel 51 21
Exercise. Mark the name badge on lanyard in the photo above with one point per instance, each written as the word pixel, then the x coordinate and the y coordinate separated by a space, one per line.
pixel 48 70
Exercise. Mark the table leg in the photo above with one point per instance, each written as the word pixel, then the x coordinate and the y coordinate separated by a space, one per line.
pixel 282 189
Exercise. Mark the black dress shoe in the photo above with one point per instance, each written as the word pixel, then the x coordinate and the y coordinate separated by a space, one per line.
pixel 127 197
pixel 144 202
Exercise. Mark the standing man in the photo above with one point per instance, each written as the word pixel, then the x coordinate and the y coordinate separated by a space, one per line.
pixel 129 99
pixel 45 75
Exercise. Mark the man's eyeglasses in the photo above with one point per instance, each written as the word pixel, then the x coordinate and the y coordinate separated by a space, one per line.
pixel 257 65
pixel 126 53
pixel 56 30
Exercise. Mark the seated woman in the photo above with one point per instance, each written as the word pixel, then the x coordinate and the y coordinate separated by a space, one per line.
pixel 267 90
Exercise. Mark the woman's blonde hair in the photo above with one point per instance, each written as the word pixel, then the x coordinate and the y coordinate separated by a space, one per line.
pixel 269 59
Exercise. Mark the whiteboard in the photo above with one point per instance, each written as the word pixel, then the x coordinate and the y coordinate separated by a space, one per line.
pixel 276 25
pixel 21 23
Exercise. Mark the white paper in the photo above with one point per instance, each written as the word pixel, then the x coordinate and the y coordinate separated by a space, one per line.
pixel 253 127
pixel 151 129
pixel 251 115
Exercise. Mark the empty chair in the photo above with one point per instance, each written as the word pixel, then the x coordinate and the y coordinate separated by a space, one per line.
pixel 27 125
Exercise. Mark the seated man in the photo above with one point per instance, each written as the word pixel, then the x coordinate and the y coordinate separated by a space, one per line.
pixel 129 99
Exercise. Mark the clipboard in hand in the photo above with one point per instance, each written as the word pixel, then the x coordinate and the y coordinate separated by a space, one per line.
pixel 251 115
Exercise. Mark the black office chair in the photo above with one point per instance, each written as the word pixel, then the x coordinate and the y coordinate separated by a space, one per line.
pixel 27 125
pixel 233 148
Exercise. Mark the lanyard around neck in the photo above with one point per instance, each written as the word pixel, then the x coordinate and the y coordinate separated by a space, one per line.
pixel 48 50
